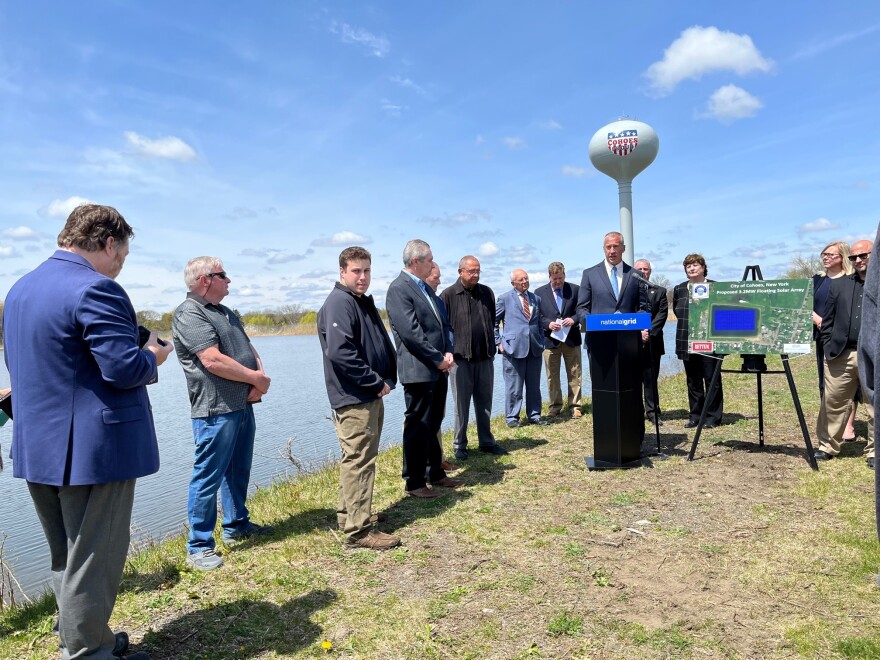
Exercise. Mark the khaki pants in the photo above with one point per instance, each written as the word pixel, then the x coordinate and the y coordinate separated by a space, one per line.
pixel 841 382
pixel 358 427
pixel 553 358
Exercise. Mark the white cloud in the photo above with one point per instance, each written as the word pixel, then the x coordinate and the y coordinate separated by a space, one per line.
pixel 22 233
pixel 7 251
pixel 393 109
pixel 61 208
pixel 550 125
pixel 699 51
pixel 576 172
pixel 458 219
pixel 487 249
pixel 479 140
pixel 514 142
pixel 169 147
pixel 821 224
pixel 342 239
pixel 376 45
pixel 834 42
pixel 749 253
pixel 408 84
pixel 729 103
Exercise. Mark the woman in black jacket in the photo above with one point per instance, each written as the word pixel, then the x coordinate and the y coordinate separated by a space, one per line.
pixel 698 368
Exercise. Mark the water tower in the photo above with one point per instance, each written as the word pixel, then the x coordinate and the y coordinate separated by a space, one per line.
pixel 621 150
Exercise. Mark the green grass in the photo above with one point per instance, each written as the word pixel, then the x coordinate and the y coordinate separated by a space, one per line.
pixel 748 553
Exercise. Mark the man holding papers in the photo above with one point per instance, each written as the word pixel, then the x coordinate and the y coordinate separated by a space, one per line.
pixel 562 339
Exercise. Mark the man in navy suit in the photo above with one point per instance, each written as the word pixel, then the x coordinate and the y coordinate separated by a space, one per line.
pixel 559 310
pixel 424 358
pixel 609 286
pixel 83 429
pixel 519 335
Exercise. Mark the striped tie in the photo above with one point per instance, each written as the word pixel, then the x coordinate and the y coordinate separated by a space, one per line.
pixel 526 310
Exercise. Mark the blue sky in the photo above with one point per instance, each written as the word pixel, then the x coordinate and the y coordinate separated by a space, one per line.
pixel 273 135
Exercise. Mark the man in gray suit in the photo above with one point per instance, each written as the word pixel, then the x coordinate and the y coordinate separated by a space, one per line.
pixel 422 336
pixel 519 335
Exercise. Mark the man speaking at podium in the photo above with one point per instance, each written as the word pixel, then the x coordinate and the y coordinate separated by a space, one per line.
pixel 609 287
pixel 613 287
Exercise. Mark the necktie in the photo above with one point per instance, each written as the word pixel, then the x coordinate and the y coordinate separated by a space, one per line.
pixel 424 288
pixel 558 293
pixel 526 310
pixel 614 286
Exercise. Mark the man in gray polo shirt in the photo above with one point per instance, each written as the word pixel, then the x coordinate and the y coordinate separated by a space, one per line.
pixel 224 376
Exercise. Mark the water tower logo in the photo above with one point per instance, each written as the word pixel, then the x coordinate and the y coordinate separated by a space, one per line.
pixel 623 143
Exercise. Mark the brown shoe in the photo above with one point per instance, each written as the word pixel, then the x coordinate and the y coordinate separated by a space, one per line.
pixel 576 413
pixel 378 517
pixel 448 482
pixel 448 467
pixel 424 492
pixel 374 540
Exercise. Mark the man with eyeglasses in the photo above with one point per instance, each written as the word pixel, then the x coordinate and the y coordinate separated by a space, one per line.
pixel 839 334
pixel 471 309
pixel 225 377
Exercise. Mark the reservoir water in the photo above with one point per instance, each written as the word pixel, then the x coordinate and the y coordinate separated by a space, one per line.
pixel 295 410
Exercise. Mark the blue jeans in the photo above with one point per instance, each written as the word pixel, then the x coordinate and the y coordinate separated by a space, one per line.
pixel 224 453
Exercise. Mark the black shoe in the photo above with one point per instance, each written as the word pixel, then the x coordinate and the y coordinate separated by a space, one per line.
pixel 461 454
pixel 512 423
pixel 710 425
pixel 653 420
pixel 870 462
pixel 822 456
pixel 140 655
pixel 121 645
pixel 496 449
pixel 540 422
pixel 690 424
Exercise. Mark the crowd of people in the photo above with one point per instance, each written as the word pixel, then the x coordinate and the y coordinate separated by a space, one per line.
pixel 79 365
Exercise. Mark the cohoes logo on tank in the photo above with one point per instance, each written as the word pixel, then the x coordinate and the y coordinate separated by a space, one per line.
pixel 624 142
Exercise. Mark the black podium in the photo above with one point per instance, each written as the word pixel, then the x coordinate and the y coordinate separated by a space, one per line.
pixel 618 411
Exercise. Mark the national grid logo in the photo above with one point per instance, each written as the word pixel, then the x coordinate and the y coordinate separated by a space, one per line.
pixel 618 322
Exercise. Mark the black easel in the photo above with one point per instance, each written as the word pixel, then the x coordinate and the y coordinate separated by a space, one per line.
pixel 757 365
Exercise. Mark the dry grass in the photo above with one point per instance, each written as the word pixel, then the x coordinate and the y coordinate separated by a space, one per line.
pixel 740 553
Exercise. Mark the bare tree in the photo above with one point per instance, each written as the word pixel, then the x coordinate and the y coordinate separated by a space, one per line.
pixel 803 268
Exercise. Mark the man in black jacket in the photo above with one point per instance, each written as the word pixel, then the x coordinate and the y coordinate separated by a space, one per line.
pixel 839 334
pixel 359 369
pixel 471 309
pixel 654 350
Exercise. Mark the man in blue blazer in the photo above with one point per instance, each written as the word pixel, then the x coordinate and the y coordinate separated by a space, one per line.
pixel 519 335
pixel 424 357
pixel 559 310
pixel 83 430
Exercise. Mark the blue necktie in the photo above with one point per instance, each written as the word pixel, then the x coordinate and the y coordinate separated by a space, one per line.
pixel 614 286
pixel 558 299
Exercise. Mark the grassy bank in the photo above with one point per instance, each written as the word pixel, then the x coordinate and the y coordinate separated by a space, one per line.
pixel 741 553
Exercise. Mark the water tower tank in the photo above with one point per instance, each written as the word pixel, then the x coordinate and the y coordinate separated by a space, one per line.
pixel 622 149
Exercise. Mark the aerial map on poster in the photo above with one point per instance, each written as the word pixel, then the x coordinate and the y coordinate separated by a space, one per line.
pixel 751 317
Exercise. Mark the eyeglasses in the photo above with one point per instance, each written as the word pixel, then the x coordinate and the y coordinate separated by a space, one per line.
pixel 829 255
pixel 862 255
pixel 220 273
pixel 471 271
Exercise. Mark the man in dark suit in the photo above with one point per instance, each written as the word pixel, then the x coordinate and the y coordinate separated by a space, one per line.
pixel 519 336
pixel 83 429
pixel 609 286
pixel 654 349
pixel 422 337
pixel 839 334
pixel 559 312
pixel 869 356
